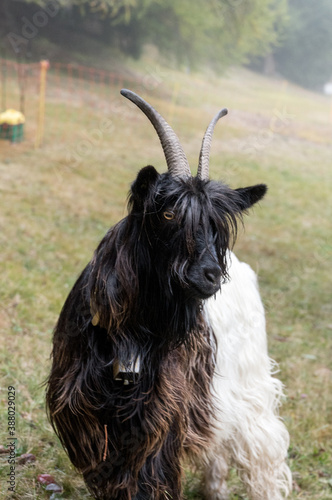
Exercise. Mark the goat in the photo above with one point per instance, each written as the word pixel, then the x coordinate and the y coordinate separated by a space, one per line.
pixel 160 348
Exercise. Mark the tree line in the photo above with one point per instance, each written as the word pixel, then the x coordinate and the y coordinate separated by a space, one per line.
pixel 290 37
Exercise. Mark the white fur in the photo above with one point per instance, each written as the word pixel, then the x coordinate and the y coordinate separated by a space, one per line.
pixel 249 434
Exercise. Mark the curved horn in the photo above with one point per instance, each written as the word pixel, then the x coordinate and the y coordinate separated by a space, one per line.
pixel 177 162
pixel 203 165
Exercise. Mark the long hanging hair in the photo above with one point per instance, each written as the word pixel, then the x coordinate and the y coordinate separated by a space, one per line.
pixel 135 302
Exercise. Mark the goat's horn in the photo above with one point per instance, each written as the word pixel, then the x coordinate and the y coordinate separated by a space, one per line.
pixel 177 162
pixel 203 165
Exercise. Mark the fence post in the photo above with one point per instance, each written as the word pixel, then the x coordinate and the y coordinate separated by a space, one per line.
pixel 44 65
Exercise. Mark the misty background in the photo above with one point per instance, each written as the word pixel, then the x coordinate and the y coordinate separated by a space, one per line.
pixel 67 165
pixel 291 39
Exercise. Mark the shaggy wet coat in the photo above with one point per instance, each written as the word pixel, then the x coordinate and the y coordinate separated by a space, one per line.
pixel 155 357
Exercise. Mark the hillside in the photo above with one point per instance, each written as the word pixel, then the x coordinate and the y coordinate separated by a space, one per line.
pixel 58 201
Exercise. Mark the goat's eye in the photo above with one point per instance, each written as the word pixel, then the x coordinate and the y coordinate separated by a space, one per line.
pixel 168 215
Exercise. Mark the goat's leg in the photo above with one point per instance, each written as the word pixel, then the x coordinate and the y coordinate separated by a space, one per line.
pixel 216 471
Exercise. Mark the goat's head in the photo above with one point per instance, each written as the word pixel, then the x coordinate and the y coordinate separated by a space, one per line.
pixel 190 221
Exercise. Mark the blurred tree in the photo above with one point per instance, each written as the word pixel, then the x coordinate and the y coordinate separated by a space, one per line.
pixel 219 32
pixel 305 55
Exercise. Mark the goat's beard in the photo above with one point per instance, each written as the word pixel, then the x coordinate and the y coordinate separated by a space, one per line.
pixel 165 316
pixel 139 297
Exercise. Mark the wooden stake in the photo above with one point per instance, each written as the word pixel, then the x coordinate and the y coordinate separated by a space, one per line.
pixel 44 65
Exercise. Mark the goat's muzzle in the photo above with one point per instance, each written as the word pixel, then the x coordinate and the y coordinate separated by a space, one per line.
pixel 204 274
pixel 204 281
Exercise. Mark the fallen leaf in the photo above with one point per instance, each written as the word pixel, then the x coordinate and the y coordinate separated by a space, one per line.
pixel 279 338
pixel 50 483
pixel 45 479
pixel 56 488
pixel 3 450
pixel 26 458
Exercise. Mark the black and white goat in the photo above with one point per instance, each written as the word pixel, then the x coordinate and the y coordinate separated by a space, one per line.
pixel 160 349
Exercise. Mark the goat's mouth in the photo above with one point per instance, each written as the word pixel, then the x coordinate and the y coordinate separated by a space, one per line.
pixel 203 290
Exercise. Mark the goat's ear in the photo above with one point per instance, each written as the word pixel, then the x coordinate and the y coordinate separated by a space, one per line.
pixel 140 188
pixel 251 195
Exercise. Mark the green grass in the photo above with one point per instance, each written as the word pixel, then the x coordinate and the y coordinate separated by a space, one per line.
pixel 57 203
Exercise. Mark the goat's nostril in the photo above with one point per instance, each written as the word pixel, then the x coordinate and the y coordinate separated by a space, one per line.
pixel 210 277
pixel 212 274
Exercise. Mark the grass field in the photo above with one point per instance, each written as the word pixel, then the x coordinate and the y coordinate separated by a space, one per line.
pixel 57 202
